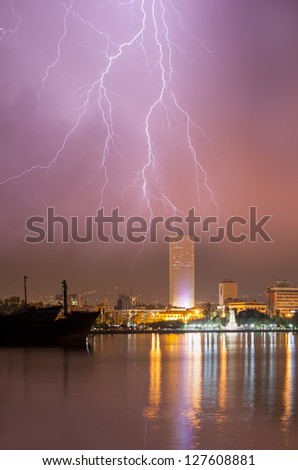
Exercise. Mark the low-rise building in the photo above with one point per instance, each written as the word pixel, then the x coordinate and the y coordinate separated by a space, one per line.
pixel 282 299
pixel 241 305
pixel 140 315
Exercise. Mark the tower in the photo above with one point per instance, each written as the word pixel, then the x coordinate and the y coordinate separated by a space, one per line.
pixel 227 290
pixel 182 273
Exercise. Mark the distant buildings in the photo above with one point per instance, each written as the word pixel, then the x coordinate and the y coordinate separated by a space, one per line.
pixel 227 291
pixel 182 273
pixel 73 300
pixel 282 298
pixel 241 305
pixel 145 315
pixel 111 298
pixel 228 299
pixel 125 302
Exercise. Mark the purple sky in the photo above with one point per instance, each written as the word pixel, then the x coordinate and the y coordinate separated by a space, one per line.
pixel 133 104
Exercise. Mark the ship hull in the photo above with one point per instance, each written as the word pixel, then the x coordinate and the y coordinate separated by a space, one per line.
pixel 74 329
pixel 42 328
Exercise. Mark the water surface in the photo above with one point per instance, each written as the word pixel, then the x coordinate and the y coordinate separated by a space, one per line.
pixel 169 391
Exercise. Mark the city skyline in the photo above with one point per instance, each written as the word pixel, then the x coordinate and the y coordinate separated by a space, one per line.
pixel 227 294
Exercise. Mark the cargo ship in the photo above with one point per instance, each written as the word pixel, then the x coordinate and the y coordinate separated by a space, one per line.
pixel 48 326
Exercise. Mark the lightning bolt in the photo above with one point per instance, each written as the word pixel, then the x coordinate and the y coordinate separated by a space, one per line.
pixel 165 97
pixel 13 30
pixel 58 56
pixel 154 16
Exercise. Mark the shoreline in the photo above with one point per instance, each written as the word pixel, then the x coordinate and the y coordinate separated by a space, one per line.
pixel 240 330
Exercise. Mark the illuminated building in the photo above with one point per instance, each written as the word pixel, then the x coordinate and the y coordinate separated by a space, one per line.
pixel 240 305
pixel 182 273
pixel 140 315
pixel 282 298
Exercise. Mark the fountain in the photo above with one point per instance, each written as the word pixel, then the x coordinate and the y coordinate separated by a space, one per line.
pixel 232 324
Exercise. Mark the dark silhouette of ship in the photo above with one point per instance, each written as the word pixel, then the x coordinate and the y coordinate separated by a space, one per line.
pixel 49 326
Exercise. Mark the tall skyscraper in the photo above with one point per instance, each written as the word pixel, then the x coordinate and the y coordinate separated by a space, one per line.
pixel 182 273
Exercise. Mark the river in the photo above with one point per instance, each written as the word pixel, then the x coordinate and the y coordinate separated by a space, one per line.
pixel 160 391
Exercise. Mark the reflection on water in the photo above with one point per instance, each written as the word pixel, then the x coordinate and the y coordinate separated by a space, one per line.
pixel 168 391
pixel 289 390
pixel 248 390
pixel 222 382
pixel 154 396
